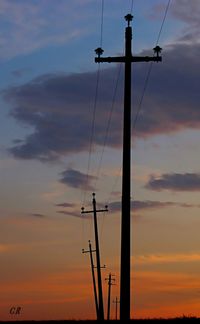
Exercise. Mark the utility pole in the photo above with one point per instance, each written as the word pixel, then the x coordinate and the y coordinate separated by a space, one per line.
pixel 109 279
pixel 116 301
pixel 93 276
pixel 100 291
pixel 128 59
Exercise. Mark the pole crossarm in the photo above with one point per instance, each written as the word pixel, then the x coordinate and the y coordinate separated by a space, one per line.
pixel 102 267
pixel 83 211
pixel 123 59
pixel 110 279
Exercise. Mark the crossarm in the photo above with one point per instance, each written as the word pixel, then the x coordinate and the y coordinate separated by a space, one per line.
pixel 119 59
pixel 109 59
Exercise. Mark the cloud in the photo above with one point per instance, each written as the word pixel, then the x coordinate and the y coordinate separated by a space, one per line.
pixel 77 179
pixel 188 12
pixel 115 207
pixel 70 209
pixel 37 215
pixel 175 182
pixel 167 258
pixel 138 205
pixel 70 213
pixel 67 205
pixel 27 26
pixel 58 107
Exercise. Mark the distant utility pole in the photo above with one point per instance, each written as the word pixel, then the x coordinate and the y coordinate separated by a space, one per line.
pixel 116 301
pixel 110 280
pixel 126 171
pixel 100 291
pixel 93 277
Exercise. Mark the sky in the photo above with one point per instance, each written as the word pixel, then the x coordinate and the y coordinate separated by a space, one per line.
pixel 61 140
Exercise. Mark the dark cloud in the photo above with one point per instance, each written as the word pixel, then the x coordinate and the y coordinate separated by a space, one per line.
pixel 67 205
pixel 175 182
pixel 37 215
pixel 58 108
pixel 77 179
pixel 138 205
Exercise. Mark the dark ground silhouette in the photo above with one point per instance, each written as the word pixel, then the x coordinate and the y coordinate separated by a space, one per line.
pixel 157 320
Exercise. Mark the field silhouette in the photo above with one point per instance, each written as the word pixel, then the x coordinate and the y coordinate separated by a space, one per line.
pixel 157 320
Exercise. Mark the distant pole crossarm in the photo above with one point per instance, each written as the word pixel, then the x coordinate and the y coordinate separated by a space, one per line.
pixel 128 59
pixel 100 291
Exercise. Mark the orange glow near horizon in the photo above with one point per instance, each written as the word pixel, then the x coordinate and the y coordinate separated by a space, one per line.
pixel 165 294
pixel 69 295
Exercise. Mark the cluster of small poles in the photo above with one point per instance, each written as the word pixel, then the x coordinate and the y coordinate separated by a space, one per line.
pixel 98 291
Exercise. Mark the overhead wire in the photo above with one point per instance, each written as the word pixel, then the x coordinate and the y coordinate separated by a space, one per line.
pixel 108 123
pixel 148 74
pixel 132 3
pixel 144 88
pixel 109 119
pixel 113 100
pixel 94 105
pixel 91 139
pixel 106 137
pixel 150 68
pixel 111 111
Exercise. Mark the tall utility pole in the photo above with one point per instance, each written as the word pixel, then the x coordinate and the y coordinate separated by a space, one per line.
pixel 110 280
pixel 100 291
pixel 116 301
pixel 128 59
pixel 93 277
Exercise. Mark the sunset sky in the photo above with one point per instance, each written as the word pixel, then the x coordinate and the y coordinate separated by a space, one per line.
pixel 59 144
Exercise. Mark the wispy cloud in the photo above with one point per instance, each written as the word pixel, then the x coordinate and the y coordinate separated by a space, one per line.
pixel 77 179
pixel 37 215
pixel 70 213
pixel 188 12
pixel 166 258
pixel 138 205
pixel 175 182
pixel 67 205
pixel 30 25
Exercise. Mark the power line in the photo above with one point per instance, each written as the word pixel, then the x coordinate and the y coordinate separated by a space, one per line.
pixel 93 118
pixel 92 128
pixel 101 29
pixel 144 88
pixel 109 123
pixel 95 103
pixel 164 18
pixel 131 10
pixel 150 68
